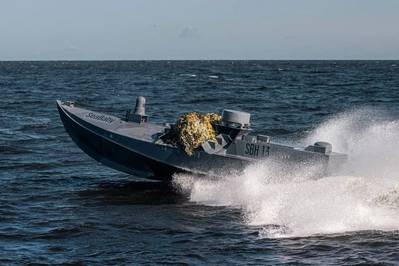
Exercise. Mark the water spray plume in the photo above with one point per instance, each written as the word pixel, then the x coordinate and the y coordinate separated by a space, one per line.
pixel 287 202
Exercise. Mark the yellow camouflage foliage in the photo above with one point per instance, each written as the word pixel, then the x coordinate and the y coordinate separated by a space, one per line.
pixel 194 129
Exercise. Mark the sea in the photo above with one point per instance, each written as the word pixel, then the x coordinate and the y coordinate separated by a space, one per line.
pixel 58 206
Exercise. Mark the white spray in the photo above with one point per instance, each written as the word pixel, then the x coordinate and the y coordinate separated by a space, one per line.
pixel 364 197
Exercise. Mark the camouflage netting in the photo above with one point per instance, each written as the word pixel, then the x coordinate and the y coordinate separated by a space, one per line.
pixel 192 130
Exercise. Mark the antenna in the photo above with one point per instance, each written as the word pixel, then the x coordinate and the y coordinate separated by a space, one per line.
pixel 139 112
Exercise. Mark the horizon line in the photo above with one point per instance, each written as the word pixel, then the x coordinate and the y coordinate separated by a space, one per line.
pixel 126 60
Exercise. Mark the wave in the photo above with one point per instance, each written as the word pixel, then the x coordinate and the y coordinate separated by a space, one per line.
pixel 287 202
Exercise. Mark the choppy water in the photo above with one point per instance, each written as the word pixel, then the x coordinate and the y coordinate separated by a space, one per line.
pixel 58 206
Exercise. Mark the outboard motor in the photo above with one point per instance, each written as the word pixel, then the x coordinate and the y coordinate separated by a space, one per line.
pixel 139 112
pixel 234 123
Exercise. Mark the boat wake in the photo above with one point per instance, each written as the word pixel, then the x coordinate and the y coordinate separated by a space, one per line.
pixel 364 195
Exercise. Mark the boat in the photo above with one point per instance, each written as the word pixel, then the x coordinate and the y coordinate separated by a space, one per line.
pixel 136 146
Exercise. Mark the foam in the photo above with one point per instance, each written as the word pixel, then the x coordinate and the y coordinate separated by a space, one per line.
pixel 286 202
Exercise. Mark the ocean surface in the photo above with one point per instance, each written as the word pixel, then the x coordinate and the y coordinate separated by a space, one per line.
pixel 59 206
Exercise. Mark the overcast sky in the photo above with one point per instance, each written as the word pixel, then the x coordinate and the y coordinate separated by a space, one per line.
pixel 194 29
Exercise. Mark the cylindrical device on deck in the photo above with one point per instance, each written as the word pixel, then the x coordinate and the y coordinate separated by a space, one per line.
pixel 140 106
pixel 236 118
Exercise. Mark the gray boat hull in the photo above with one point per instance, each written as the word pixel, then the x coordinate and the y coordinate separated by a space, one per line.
pixel 135 157
pixel 132 148
pixel 112 154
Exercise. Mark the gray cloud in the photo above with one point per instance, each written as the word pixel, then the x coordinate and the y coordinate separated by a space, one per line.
pixel 189 33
